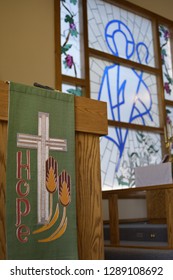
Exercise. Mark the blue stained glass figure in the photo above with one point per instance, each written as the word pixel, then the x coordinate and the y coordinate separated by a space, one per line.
pixel 126 93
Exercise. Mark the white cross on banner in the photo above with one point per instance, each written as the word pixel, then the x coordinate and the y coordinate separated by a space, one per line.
pixel 43 144
pixel 40 180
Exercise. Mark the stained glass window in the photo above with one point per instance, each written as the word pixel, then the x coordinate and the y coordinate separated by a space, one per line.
pixel 166 61
pixel 121 33
pixel 117 168
pixel 169 125
pixel 124 65
pixel 131 95
pixel 169 120
pixel 70 39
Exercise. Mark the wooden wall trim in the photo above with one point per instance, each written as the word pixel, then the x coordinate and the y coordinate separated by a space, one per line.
pixel 3 101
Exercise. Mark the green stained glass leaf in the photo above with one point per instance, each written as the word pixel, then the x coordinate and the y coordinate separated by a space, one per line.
pixel 76 92
pixel 69 19
pixel 124 183
pixel 152 149
pixel 162 28
pixel 169 79
pixel 73 2
pixel 139 138
pixel 65 64
pixel 74 33
pixel 121 181
pixel 168 111
pixel 65 48
pixel 163 52
pixel 133 154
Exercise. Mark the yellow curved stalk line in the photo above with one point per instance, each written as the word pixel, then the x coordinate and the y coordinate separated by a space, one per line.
pixel 61 224
pixel 59 231
pixel 52 222
pixel 50 207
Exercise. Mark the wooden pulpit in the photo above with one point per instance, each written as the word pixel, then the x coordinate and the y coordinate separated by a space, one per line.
pixel 90 124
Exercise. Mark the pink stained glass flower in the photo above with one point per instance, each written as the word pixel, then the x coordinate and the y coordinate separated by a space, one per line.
pixel 166 35
pixel 69 61
pixel 167 88
pixel 72 26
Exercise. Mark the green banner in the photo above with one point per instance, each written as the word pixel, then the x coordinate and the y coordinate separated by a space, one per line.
pixel 40 193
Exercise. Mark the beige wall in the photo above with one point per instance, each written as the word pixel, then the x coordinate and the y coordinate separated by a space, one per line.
pixel 160 7
pixel 27 38
pixel 27 41
pixel 127 209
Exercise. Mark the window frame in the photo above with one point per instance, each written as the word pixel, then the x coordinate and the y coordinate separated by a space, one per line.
pixel 88 52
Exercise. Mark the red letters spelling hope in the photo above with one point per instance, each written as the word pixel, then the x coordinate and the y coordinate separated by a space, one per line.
pixel 23 206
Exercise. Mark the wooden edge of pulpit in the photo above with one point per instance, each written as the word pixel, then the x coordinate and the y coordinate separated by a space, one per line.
pixel 90 124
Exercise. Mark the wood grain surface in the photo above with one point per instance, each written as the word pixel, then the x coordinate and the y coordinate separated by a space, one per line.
pixel 3 146
pixel 169 215
pixel 89 199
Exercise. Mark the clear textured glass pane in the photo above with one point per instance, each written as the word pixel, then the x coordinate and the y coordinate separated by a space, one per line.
pixel 166 61
pixel 70 89
pixel 131 95
pixel 70 38
pixel 121 33
pixel 123 150
pixel 169 120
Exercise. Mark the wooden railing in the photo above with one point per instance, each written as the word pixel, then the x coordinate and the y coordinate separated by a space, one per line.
pixel 113 196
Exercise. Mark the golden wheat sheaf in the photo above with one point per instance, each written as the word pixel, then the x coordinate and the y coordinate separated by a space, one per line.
pixel 62 185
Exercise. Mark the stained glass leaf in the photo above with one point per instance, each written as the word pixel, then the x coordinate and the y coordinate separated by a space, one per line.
pixel 164 52
pixel 69 19
pixel 65 48
pixel 73 2
pixel 76 92
pixel 73 32
pixel 133 154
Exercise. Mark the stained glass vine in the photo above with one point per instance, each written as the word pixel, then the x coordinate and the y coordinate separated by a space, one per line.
pixel 166 61
pixel 70 42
